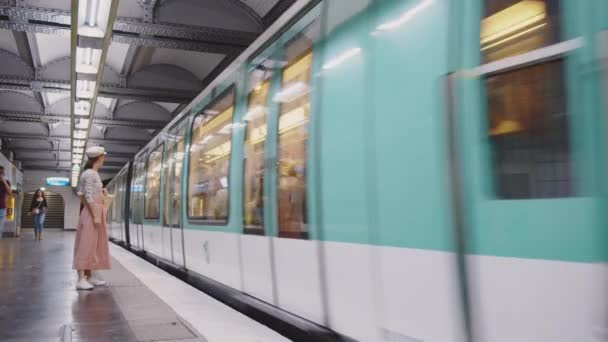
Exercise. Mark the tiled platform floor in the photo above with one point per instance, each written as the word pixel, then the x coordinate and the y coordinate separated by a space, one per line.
pixel 38 301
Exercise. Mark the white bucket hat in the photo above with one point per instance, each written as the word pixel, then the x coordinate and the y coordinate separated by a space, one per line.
pixel 95 151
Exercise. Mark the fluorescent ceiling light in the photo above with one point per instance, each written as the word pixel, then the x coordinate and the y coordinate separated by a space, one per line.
pixel 341 58
pixel 78 150
pixel 82 107
pixel 405 17
pixel 85 89
pixel 87 60
pixel 93 17
pixel 80 134
pixel 79 143
pixel 292 92
pixel 82 124
pixel 211 112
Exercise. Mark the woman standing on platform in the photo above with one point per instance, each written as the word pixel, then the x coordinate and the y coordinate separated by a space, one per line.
pixel 91 249
pixel 38 209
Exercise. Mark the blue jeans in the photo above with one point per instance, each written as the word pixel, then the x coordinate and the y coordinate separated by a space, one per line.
pixel 38 222
pixel 2 216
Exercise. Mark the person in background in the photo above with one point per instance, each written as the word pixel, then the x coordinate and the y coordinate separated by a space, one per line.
pixel 91 249
pixel 38 209
pixel 5 192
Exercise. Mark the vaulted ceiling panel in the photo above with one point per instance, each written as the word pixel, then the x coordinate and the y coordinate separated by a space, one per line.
pixel 143 111
pixel 51 47
pixel 16 101
pixel 117 53
pixel 164 76
pixel 218 14
pixel 130 9
pixel 199 64
pixel 7 42
pixel 24 128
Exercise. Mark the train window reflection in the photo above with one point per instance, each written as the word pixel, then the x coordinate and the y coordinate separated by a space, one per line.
pixel 152 197
pixel 293 135
pixel 255 138
pixel 512 27
pixel 526 107
pixel 210 161
pixel 177 181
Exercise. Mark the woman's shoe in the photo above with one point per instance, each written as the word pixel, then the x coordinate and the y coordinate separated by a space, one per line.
pixel 35 236
pixel 95 280
pixel 83 284
pixel 39 236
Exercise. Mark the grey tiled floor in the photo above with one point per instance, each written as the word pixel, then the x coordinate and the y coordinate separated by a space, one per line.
pixel 38 300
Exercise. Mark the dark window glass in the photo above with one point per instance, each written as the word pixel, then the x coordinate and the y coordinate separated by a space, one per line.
pixel 526 107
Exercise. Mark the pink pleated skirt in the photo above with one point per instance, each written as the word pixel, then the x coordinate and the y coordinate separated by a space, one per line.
pixel 91 249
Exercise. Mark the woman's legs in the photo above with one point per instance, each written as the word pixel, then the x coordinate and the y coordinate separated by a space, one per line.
pixel 36 226
pixel 41 218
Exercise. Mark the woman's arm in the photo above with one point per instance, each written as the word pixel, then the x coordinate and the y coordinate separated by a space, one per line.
pixel 89 182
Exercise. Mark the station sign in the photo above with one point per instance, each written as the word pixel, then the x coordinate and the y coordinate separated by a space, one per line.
pixel 57 181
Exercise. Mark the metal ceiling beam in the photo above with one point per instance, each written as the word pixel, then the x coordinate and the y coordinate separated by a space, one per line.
pixel 34 150
pixel 64 160
pixel 52 118
pixel 110 169
pixel 276 11
pixel 105 90
pixel 131 31
pixel 132 142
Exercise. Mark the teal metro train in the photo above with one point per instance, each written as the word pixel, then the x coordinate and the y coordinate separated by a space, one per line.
pixel 397 170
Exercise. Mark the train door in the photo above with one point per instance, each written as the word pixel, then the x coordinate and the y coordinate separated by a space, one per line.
pixel 527 128
pixel 172 197
pixel 256 247
pixel 137 188
pixel 296 249
pixel 152 199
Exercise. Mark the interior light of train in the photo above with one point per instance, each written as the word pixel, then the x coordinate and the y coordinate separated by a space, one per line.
pixel 87 60
pixel 514 36
pixel 292 119
pixel 512 20
pixel 342 58
pixel 82 107
pixel 211 112
pixel 93 17
pixel 405 17
pixel 291 92
pixel 254 113
pixel 85 89
pixel 226 129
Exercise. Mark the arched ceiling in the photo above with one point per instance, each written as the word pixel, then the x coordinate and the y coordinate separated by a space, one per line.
pixel 162 54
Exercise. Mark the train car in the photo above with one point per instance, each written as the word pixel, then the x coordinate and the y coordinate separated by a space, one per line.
pixel 405 170
pixel 12 223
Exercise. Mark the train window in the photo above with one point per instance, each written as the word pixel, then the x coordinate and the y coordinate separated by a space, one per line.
pixel 152 196
pixel 255 138
pixel 210 161
pixel 173 172
pixel 177 181
pixel 526 107
pixel 294 115
pixel 512 27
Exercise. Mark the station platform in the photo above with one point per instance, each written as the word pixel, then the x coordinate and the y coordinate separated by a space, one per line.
pixel 38 300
